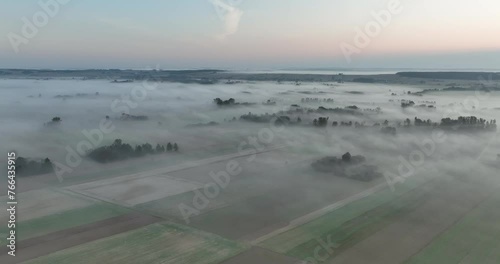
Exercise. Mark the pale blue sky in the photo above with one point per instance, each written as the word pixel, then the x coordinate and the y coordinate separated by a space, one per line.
pixel 251 34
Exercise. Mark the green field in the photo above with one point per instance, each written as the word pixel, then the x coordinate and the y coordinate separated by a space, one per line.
pixel 474 239
pixel 63 220
pixel 156 243
pixel 349 224
pixel 63 217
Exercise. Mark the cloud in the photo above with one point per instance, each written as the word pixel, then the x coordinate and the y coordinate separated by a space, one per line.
pixel 230 15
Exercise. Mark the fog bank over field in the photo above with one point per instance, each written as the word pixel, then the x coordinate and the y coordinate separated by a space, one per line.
pixel 180 112
pixel 271 158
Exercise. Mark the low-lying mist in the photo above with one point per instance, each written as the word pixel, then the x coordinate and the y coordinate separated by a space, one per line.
pixel 183 113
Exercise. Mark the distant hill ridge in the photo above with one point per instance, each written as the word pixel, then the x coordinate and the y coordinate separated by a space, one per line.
pixel 452 75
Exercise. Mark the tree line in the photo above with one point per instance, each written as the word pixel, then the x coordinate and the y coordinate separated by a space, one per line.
pixel 120 151
pixel 29 167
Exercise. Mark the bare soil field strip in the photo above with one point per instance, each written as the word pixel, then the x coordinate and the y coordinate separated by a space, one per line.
pixel 64 220
pixel 43 245
pixel 155 243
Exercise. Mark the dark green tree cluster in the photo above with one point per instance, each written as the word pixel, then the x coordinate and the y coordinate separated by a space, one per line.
pixel 420 122
pixel 342 123
pixel 316 100
pixel 350 110
pixel 348 166
pixel 321 121
pixel 133 117
pixel 469 122
pixel 171 147
pixel 120 151
pixel 269 102
pixel 54 121
pixel 257 118
pixel 265 118
pixel 461 123
pixel 27 167
pixel 219 101
pixel 406 104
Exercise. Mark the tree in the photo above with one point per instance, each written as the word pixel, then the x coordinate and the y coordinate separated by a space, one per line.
pixel 169 147
pixel 46 165
pixel 407 122
pixel 158 148
pixel 322 121
pixel 346 157
pixel 117 142
pixel 56 119
pixel 147 148
pixel 138 150
pixel 176 148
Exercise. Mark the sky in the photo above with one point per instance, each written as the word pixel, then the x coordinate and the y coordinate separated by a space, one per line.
pixel 250 34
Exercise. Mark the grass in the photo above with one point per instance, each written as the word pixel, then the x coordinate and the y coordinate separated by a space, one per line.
pixel 474 239
pixel 64 220
pixel 156 243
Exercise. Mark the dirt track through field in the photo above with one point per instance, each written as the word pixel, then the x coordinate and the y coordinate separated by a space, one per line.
pixel 46 244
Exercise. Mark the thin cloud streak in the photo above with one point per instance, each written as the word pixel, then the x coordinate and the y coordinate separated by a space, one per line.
pixel 231 17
